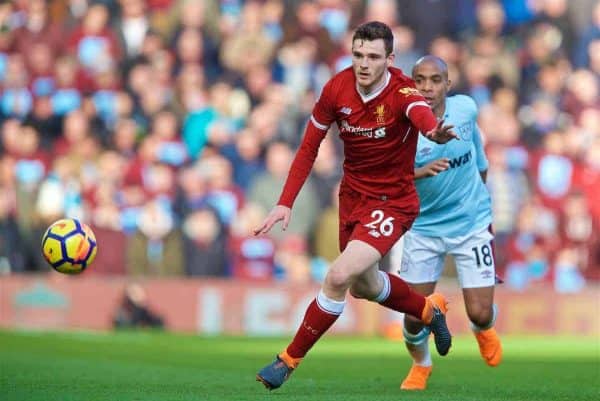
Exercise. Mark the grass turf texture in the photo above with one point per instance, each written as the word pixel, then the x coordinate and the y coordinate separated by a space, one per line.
pixel 167 367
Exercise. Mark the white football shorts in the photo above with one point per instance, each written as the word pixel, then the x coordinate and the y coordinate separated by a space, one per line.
pixel 422 258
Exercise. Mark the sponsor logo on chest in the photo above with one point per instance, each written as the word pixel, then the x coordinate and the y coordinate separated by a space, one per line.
pixel 379 115
pixel 376 133
pixel 461 160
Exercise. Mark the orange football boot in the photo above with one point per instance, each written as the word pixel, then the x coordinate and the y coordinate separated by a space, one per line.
pixel 416 378
pixel 490 346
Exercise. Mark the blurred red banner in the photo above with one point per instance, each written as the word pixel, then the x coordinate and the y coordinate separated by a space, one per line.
pixel 56 301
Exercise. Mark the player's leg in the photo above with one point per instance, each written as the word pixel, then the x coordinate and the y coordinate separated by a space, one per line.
pixel 394 293
pixel 482 312
pixel 322 312
pixel 382 224
pixel 421 265
pixel 390 291
pixel 475 266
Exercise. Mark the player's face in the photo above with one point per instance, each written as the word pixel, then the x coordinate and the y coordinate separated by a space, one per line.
pixel 432 82
pixel 369 61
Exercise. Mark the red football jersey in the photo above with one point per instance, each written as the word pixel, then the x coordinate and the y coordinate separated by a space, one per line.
pixel 379 137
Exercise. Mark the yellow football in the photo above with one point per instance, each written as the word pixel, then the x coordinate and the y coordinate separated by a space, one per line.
pixel 69 246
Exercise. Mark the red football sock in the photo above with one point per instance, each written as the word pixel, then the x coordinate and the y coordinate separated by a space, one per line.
pixel 402 298
pixel 316 322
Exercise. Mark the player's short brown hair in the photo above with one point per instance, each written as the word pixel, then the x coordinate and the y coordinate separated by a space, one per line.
pixel 376 30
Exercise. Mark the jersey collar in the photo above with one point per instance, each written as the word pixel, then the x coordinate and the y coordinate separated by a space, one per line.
pixel 375 93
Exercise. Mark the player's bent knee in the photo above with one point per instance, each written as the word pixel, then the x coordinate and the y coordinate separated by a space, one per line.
pixel 361 290
pixel 338 279
pixel 480 316
pixel 356 293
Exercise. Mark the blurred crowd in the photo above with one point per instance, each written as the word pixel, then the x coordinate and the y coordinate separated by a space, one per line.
pixel 169 126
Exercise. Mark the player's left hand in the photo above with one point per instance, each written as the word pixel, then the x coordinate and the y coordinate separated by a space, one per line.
pixel 442 133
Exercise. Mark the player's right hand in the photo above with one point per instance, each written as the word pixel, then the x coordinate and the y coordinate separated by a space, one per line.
pixel 278 213
pixel 433 168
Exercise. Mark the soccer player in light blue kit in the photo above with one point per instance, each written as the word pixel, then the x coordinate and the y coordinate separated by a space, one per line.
pixel 455 219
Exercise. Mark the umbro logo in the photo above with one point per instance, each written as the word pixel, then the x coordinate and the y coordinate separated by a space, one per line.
pixel 375 233
pixel 486 274
pixel 346 110
pixel 425 151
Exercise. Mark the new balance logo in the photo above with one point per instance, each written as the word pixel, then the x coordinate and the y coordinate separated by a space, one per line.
pixel 375 233
pixel 346 110
pixel 379 133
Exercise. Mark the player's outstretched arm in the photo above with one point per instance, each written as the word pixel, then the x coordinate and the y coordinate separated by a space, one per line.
pixel 278 213
pixel 432 169
pixel 441 133
pixel 422 117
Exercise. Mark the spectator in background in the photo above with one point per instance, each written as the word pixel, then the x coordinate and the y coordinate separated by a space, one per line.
pixel 582 91
pixel 214 118
pixel 405 53
pixel 532 66
pixel 249 46
pixel 11 248
pixel 38 29
pixel 555 12
pixel 94 44
pixel 133 311
pixel 76 129
pixel 156 247
pixel 16 99
pixel 245 157
pixel 68 80
pixel 428 19
pixel 265 188
pixel 553 171
pixel 304 22
pixel 43 120
pixel 582 55
pixel 124 137
pixel 132 27
pixel 293 260
pixel 509 188
pixel 326 172
pixel 205 244
pixel 223 195
pixel 252 258
pixel 193 17
pixel 326 245
pixel 165 131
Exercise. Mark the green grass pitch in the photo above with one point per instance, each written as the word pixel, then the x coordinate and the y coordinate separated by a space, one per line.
pixel 168 367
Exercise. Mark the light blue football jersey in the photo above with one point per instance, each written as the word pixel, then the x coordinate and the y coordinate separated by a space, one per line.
pixel 456 201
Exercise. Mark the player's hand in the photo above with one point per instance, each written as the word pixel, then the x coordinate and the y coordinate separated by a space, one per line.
pixel 278 213
pixel 442 133
pixel 433 168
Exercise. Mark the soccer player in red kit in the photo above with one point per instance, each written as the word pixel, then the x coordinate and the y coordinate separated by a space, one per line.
pixel 379 114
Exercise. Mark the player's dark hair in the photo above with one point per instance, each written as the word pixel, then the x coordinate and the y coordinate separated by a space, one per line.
pixel 375 30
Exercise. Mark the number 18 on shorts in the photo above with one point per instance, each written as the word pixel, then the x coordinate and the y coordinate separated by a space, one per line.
pixel 423 258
